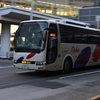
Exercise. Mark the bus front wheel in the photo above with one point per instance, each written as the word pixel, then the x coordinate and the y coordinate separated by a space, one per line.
pixel 67 66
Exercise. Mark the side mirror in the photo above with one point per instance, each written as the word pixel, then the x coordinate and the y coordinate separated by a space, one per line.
pixel 45 32
pixel 14 33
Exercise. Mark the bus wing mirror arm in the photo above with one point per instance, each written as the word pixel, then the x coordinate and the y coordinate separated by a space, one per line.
pixel 14 33
pixel 45 33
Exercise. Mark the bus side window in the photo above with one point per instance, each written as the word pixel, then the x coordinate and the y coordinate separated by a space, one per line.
pixel 99 40
pixel 93 40
pixel 80 36
pixel 93 37
pixel 66 34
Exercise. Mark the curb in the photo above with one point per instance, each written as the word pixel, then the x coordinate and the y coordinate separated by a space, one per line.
pixel 6 60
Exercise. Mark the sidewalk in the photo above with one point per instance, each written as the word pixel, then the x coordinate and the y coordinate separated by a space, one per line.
pixel 6 60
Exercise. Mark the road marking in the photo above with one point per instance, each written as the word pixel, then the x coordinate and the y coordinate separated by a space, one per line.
pixel 7 67
pixel 80 74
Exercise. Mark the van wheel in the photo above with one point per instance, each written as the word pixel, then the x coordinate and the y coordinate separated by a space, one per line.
pixel 67 66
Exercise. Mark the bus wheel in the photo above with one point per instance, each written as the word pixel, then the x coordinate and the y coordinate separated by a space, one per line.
pixel 67 66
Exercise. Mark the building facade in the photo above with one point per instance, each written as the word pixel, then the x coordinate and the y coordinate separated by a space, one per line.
pixel 55 7
pixel 90 15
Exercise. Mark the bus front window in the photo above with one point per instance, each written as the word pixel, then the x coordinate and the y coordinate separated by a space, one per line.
pixel 29 37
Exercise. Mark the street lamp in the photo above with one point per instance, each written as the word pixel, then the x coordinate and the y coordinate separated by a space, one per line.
pixel 31 12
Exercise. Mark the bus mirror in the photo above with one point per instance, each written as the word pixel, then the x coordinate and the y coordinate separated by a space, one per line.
pixel 14 33
pixel 45 32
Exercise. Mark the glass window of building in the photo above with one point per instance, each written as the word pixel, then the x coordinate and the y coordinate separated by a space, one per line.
pixel 84 12
pixel 49 4
pixel 83 18
pixel 7 3
pixel 67 2
pixel 41 9
pixel 85 3
pixel 62 6
pixel 60 11
pixel 91 3
pixel 92 18
pixel 38 2
pixel 49 10
pixel 71 2
pixel 75 8
pixel 28 6
pixel 95 11
pixel 56 7
pixel 28 1
pixel 60 1
pixel 23 1
pixel 93 24
pixel 52 1
pixel 43 3
pixel 77 3
pixel 68 7
pixel 66 13
pixel 75 13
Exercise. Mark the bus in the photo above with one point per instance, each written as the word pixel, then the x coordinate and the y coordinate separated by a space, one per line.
pixel 56 45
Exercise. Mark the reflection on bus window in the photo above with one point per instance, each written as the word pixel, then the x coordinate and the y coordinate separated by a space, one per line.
pixel 29 36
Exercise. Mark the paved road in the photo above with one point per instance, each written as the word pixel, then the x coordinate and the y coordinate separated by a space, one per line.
pixel 17 84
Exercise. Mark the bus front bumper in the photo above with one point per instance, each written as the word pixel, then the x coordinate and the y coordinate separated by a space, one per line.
pixel 30 66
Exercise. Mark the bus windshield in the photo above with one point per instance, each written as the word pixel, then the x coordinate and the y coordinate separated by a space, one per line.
pixel 29 37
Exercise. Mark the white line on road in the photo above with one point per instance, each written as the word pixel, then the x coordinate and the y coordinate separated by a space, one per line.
pixel 80 74
pixel 7 67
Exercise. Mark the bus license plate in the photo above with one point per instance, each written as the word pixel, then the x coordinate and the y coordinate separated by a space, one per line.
pixel 25 66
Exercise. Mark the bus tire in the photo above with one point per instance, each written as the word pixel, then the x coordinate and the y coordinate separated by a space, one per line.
pixel 67 66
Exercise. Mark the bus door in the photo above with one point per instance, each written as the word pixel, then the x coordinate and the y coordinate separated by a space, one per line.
pixel 52 45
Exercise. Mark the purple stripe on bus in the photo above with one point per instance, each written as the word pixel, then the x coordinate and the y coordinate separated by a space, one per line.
pixel 83 58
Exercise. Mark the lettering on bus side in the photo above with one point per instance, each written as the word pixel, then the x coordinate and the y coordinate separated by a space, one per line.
pixel 74 49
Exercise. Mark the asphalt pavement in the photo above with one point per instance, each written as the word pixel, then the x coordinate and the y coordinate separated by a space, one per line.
pixel 7 62
pixel 19 84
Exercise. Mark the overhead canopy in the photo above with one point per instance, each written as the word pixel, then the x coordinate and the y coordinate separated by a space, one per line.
pixel 13 14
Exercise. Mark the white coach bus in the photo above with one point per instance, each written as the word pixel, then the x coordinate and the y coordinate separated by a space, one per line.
pixel 56 45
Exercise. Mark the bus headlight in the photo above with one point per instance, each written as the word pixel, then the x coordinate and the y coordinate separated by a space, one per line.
pixel 40 63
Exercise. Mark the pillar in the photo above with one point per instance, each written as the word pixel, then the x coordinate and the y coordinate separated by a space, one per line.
pixel 54 9
pixel 5 41
pixel 35 5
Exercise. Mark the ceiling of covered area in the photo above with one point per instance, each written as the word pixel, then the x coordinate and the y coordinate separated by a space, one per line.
pixel 19 16
pixel 14 14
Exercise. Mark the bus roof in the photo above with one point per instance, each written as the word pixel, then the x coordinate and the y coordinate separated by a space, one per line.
pixel 63 21
pixel 69 22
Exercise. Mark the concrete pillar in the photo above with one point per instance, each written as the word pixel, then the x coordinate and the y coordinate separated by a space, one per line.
pixel 5 41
